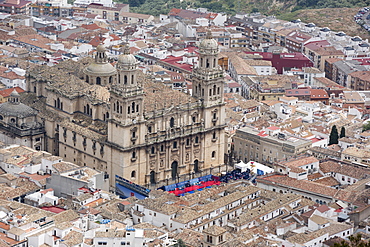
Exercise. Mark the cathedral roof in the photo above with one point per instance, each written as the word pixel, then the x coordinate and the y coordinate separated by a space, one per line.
pixel 16 110
pixel 159 96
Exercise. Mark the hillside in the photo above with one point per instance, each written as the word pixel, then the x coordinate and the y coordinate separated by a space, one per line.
pixel 337 19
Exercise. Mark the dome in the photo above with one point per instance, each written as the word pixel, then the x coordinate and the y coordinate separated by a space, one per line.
pixel 127 59
pixel 100 69
pixel 208 43
pixel 16 110
pixel 100 48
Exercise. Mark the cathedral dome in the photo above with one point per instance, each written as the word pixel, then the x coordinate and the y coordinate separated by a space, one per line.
pixel 100 69
pixel 16 110
pixel 209 43
pixel 100 48
pixel 101 66
pixel 127 59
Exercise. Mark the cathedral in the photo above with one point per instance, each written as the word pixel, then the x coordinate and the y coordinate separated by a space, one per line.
pixel 115 119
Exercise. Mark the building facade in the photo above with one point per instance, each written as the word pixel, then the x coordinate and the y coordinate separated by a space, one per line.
pixel 267 146
pixel 114 119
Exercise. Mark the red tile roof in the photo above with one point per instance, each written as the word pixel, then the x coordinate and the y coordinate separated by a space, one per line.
pixel 6 92
pixel 319 94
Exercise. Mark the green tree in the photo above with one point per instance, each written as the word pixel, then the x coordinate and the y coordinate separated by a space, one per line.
pixel 180 243
pixel 342 132
pixel 366 127
pixel 333 138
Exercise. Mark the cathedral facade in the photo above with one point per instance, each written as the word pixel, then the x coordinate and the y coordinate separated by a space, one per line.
pixel 114 119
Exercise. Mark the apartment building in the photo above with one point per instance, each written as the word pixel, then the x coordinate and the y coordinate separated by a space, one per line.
pixel 267 146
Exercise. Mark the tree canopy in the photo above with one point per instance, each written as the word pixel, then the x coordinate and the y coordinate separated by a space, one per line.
pixel 333 138
pixel 342 132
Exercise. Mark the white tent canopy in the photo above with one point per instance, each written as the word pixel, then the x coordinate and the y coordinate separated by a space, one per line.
pixel 253 166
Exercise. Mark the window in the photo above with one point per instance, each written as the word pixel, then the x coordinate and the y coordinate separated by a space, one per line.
pixel 187 142
pixel 152 150
pixel 196 139
pixel 214 154
pixel 133 174
pixel 172 122
pixel 133 155
pixel 149 129
pixel 102 243
pixel 174 145
pixel 162 148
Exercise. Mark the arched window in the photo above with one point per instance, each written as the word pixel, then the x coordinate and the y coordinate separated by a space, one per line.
pixel 110 79
pixel 117 107
pixel 162 148
pixel 214 135
pixel 218 90
pixel 207 63
pixel 128 110
pixel 133 107
pixel 196 139
pixel 210 92
pixel 107 115
pixel 137 108
pixel 214 154
pixel 174 145
pixel 87 78
pixel 133 155
pixel 172 122
pixel 119 79
pixel 98 81
pixel 196 166
pixel 174 167
pixel 152 177
pixel 214 89
pixel 152 150
pixel 132 79
pixel 133 174
pixel 125 79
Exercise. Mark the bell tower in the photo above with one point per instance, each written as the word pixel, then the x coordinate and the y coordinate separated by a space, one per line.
pixel 126 99
pixel 208 84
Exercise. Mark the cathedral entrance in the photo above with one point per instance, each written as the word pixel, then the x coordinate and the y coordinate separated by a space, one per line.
pixel 152 177
pixel 196 166
pixel 174 167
